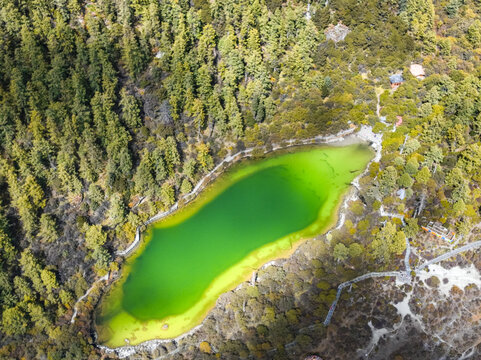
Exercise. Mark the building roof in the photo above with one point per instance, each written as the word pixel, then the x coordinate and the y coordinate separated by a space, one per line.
pixel 336 33
pixel 396 78
pixel 440 231
pixel 417 70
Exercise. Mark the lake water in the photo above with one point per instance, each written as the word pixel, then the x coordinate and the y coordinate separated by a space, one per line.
pixel 255 213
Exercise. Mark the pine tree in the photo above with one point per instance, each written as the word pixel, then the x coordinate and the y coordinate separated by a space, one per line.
pixel 130 110
pixel 419 15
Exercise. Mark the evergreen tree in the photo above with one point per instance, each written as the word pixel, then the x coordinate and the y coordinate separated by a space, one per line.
pixel 130 110
pixel 419 15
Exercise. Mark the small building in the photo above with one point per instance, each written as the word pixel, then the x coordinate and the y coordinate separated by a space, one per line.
pixel 399 120
pixel 417 71
pixel 396 80
pixel 440 231
pixel 336 33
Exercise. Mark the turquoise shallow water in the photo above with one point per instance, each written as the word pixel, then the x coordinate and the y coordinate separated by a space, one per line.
pixel 294 193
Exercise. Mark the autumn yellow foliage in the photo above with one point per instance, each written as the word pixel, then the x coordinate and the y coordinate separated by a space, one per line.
pixel 205 347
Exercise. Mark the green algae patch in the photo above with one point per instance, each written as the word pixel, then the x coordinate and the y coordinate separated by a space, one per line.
pixel 255 213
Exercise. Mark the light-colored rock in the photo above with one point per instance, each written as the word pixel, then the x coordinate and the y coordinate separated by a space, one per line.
pixel 337 33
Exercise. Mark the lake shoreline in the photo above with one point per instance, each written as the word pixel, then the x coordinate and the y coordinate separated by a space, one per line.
pixel 349 137
pixel 342 138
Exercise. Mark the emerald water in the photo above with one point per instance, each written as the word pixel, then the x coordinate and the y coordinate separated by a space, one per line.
pixel 255 213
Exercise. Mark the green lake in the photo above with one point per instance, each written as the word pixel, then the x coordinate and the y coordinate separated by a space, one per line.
pixel 256 212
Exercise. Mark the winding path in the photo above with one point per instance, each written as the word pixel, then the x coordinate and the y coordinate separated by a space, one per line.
pixel 447 255
pixel 392 215
pixel 398 274
pixel 75 307
pixel 403 276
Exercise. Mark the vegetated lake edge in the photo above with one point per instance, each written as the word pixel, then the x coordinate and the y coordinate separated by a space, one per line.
pixel 232 277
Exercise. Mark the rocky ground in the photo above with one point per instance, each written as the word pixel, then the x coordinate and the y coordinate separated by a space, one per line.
pixel 438 317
